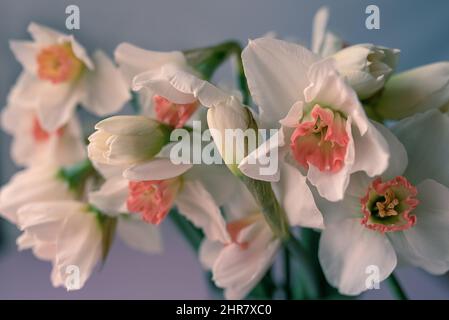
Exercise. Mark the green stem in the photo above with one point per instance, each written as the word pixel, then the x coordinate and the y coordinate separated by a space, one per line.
pixel 264 289
pixel 135 102
pixel 278 222
pixel 207 60
pixel 370 106
pixel 396 288
pixel 311 276
pixel 77 175
pixel 372 113
pixel 265 198
pixel 192 234
pixel 311 239
pixel 268 284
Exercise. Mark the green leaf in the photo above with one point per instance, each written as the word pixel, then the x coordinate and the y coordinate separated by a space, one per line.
pixel 264 289
pixel 108 227
pixel 76 175
pixel 192 234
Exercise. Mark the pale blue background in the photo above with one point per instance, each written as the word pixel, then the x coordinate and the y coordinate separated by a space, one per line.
pixel 419 28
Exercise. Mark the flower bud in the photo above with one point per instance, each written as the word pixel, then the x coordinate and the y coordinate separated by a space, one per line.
pixel 234 131
pixel 126 140
pixel 366 67
pixel 416 90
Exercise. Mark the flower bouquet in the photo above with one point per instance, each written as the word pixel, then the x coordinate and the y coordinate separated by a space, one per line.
pixel 322 161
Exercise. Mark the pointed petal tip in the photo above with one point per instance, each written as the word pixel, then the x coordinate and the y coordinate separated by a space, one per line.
pixel 32 25
pixel 253 42
pixel 250 44
pixel 12 43
pixel 123 46
pixel 322 15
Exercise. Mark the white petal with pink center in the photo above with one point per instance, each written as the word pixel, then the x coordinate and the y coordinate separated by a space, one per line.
pixel 111 199
pixel 176 93
pixel 239 264
pixel 325 129
pixel 156 103
pixel 32 144
pixel 181 87
pixel 152 188
pixel 58 75
pixel 383 218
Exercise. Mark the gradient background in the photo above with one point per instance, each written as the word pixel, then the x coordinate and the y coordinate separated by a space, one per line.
pixel 420 30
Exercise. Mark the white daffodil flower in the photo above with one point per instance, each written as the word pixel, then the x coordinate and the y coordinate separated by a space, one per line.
pixel 58 75
pixel 133 61
pixel 67 234
pixel 402 215
pixel 239 264
pixel 39 201
pixel 177 93
pixel 35 184
pixel 32 144
pixel 325 133
pixel 151 189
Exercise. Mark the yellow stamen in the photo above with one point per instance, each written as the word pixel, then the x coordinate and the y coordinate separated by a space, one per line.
pixel 386 208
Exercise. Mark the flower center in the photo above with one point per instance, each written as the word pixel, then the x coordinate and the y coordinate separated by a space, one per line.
pixel 58 63
pixel 387 206
pixel 234 229
pixel 173 114
pixel 40 134
pixel 152 199
pixel 321 140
